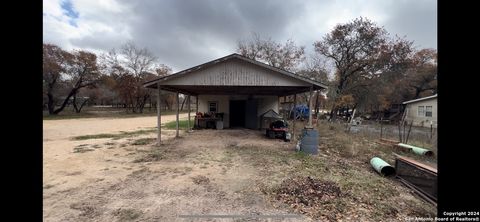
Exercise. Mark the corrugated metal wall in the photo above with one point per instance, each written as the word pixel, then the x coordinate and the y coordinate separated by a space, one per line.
pixel 235 73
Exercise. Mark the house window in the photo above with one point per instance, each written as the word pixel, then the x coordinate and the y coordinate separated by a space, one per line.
pixel 421 111
pixel 428 111
pixel 212 107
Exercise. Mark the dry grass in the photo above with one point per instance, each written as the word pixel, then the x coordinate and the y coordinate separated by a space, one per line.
pixel 127 214
pixel 200 179
pixel 144 141
pixel 115 136
pixel 343 159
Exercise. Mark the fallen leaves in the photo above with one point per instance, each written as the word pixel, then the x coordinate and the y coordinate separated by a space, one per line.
pixel 308 195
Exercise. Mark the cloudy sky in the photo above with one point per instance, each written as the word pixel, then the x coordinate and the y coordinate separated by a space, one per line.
pixel 185 33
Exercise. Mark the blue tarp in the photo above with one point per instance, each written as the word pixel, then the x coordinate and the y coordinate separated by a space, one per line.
pixel 300 111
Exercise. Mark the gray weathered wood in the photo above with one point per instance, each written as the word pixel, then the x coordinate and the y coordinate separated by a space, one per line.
pixel 178 111
pixel 196 110
pixel 310 108
pixel 159 116
pixel 294 117
pixel 235 73
pixel 188 107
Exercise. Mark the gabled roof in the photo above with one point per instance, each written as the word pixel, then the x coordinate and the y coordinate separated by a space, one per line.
pixel 271 114
pixel 152 83
pixel 420 99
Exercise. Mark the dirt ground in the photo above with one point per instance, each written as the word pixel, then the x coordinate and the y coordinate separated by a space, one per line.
pixel 106 184
pixel 204 172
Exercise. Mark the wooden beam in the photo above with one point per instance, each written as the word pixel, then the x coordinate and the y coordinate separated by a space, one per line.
pixel 159 116
pixel 294 118
pixel 188 107
pixel 178 111
pixel 196 109
pixel 310 108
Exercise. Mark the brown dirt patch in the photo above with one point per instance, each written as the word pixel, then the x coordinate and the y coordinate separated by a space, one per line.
pixel 214 172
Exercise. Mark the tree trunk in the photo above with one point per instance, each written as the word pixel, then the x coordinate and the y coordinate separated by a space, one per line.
pixel 75 103
pixel 417 93
pixel 83 104
pixel 78 110
pixel 142 103
pixel 333 113
pixel 50 104
pixel 74 91
pixel 184 98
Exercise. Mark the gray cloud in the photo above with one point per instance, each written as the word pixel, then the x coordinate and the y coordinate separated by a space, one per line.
pixel 184 33
pixel 417 22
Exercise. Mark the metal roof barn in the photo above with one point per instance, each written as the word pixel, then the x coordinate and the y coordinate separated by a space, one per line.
pixel 222 84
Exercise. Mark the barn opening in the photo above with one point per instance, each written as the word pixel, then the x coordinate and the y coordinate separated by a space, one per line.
pixel 237 113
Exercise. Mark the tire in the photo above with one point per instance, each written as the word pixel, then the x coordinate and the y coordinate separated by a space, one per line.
pixel 271 134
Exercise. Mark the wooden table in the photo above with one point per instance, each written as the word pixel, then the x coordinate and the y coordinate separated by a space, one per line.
pixel 198 120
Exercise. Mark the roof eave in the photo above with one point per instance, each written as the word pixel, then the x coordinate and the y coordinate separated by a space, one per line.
pixel 420 99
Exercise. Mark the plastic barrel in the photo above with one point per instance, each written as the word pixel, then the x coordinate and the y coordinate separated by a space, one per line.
pixel 309 141
pixel 219 125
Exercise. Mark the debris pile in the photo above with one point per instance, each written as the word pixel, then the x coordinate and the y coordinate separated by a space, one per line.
pixel 200 179
pixel 306 194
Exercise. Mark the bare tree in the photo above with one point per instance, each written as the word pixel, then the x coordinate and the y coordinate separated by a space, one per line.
pixel 137 61
pixel 361 52
pixel 315 69
pixel 54 65
pixel 131 67
pixel 252 48
pixel 287 56
pixel 82 72
pixel 163 70
pixel 423 75
pixel 74 70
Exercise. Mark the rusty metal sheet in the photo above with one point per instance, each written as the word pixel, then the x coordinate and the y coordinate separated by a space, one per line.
pixel 392 142
pixel 418 176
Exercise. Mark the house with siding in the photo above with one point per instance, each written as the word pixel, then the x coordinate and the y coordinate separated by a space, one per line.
pixel 422 111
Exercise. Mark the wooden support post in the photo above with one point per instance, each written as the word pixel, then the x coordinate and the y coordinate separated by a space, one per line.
pixel 294 117
pixel 178 111
pixel 310 108
pixel 196 109
pixel 188 107
pixel 159 115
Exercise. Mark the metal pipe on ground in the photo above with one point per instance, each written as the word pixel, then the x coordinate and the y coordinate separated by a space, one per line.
pixel 382 167
pixel 417 150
